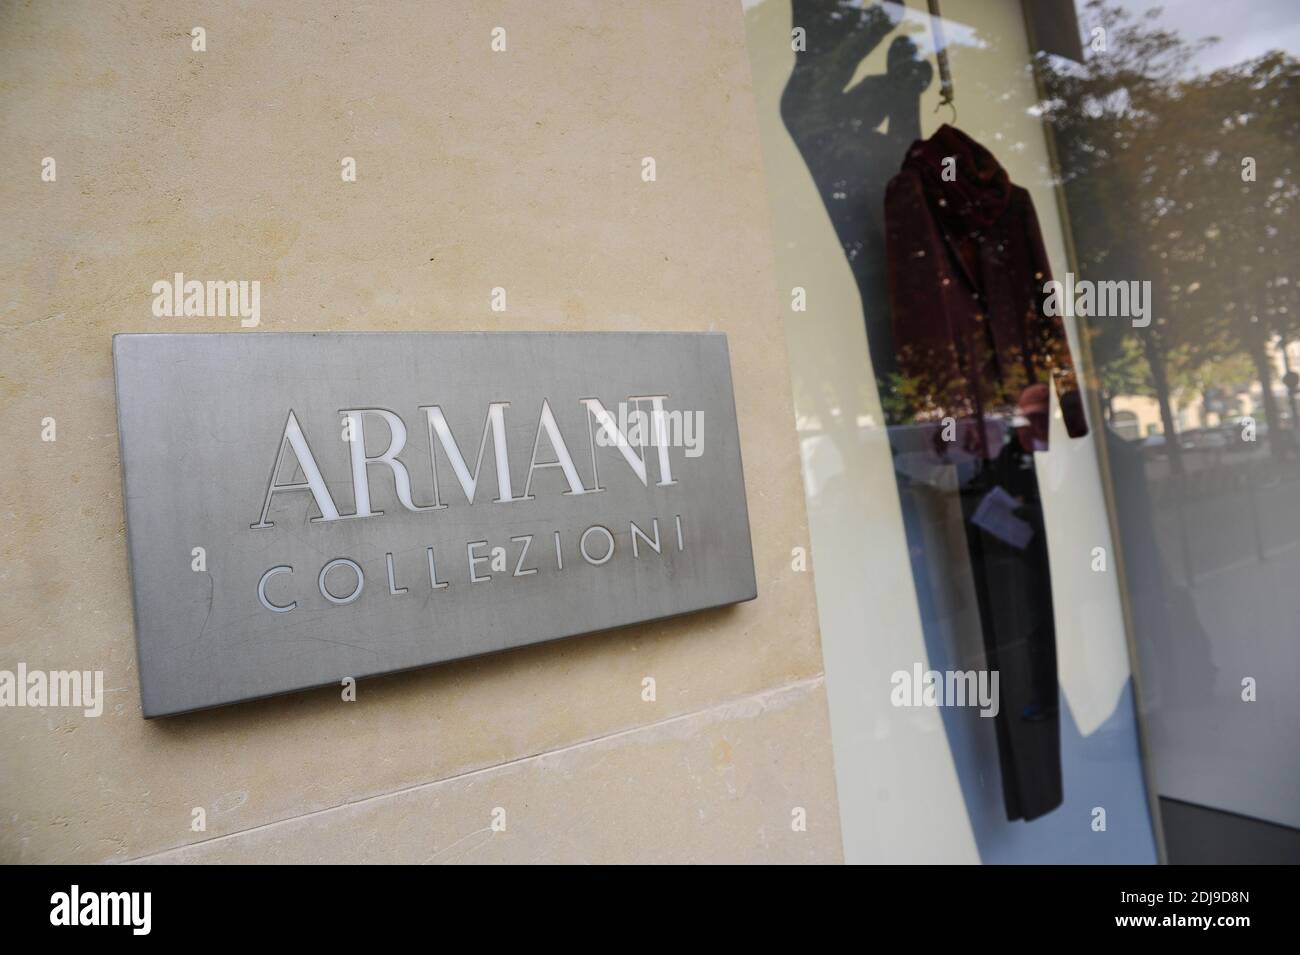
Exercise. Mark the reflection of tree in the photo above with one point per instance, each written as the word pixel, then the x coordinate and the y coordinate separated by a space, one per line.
pixel 1152 158
pixel 1121 366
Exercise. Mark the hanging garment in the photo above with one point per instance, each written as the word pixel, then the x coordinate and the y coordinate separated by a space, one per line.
pixel 1013 589
pixel 966 274
pixel 967 269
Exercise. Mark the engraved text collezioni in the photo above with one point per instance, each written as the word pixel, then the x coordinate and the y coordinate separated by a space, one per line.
pixel 641 440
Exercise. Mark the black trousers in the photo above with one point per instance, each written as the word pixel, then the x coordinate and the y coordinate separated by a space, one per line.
pixel 1013 586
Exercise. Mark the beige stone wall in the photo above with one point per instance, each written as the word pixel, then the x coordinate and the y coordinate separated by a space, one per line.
pixel 475 169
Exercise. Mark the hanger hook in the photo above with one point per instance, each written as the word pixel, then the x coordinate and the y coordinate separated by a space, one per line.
pixel 941 57
pixel 947 101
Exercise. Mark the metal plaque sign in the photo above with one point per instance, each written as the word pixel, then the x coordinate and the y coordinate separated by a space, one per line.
pixel 303 508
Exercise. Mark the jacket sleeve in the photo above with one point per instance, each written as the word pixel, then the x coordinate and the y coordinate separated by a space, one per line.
pixel 1052 337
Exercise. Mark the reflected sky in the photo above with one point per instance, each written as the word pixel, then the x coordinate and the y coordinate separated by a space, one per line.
pixel 1246 30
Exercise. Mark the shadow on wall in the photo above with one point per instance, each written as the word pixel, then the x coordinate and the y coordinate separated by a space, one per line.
pixel 853 141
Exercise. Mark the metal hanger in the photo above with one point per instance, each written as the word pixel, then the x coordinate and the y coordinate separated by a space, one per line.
pixel 946 94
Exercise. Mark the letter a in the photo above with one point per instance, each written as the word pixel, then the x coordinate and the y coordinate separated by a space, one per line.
pixel 293 437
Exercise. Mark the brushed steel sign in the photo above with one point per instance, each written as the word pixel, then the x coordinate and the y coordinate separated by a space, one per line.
pixel 303 508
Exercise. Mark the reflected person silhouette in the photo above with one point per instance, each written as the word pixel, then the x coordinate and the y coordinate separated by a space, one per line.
pixel 852 140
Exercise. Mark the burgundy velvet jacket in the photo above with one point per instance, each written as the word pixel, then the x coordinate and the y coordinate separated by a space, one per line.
pixel 966 274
